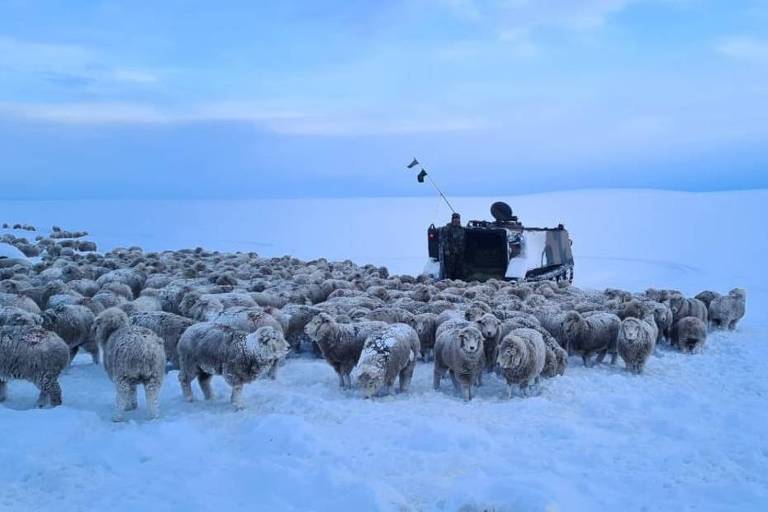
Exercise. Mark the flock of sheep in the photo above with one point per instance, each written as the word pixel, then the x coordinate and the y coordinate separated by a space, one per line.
pixel 240 316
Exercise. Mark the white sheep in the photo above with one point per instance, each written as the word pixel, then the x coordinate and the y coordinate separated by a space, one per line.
pixel 168 326
pixel 387 355
pixel 73 325
pixel 521 358
pixel 207 349
pixel 459 351
pixel 635 342
pixel 131 355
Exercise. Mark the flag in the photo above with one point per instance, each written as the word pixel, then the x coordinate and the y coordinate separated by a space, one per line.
pixel 413 164
pixel 421 175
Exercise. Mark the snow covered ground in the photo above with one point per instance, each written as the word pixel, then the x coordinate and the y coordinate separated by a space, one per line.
pixel 689 434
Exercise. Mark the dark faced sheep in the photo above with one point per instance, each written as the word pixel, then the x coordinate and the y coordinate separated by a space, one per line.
pixel 689 334
pixel 132 355
pixel 426 327
pixel 587 335
pixel 341 344
pixel 460 352
pixel 387 355
pixel 35 355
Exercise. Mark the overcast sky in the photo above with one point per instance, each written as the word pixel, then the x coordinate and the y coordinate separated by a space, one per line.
pixel 333 98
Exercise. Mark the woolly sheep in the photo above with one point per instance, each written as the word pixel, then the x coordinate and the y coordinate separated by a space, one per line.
pixel 11 316
pixel 521 358
pixel 490 327
pixel 73 324
pixel 682 307
pixel 341 344
pixel 35 355
pixel 635 343
pixel 247 319
pixel 20 302
pixel 207 349
pixel 132 355
pixel 689 334
pixel 726 310
pixel 585 335
pixel 707 296
pixel 387 355
pixel 168 326
pixel 459 351
pixel 426 327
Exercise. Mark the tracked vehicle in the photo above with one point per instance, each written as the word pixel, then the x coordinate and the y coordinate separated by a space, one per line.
pixel 505 249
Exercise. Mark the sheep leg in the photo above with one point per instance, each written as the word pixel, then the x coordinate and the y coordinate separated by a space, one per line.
pixel 93 350
pixel 601 356
pixel 73 352
pixel 122 400
pixel 509 391
pixel 133 402
pixel 468 390
pixel 186 385
pixel 54 393
pixel 405 377
pixel 42 399
pixel 348 380
pixel 614 357
pixel 585 357
pixel 204 381
pixel 438 376
pixel 272 374
pixel 455 381
pixel 152 393
pixel 3 390
pixel 237 397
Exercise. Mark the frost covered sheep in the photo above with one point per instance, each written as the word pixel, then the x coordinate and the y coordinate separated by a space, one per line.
pixel 726 310
pixel 73 324
pixel 521 358
pixel 387 355
pixel 35 355
pixel 341 344
pixel 207 349
pixel 635 343
pixel 689 334
pixel 460 352
pixel 131 355
pixel 587 335
pixel 168 326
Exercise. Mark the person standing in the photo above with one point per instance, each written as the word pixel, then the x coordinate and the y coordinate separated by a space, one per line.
pixel 452 245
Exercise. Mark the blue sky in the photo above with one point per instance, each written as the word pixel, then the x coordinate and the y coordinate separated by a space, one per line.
pixel 332 98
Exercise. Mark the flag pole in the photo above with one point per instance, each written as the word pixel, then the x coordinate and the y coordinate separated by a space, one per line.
pixel 441 193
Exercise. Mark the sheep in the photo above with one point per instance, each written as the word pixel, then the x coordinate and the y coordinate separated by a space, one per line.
pixel 635 342
pixel 207 349
pixel 521 358
pixel 298 316
pixel 707 296
pixel 131 355
pixel 36 355
pixel 341 344
pixel 557 358
pixel 490 327
pixel 391 315
pixel 11 316
pixel 426 327
pixel 689 334
pixel 476 310
pixel 682 307
pixel 586 335
pixel 459 351
pixel 73 324
pixel 20 302
pixel 387 355
pixel 726 310
pixel 168 326
pixel 202 307
pixel 247 319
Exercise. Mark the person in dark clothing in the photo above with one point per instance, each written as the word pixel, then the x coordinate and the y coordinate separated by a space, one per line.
pixel 452 248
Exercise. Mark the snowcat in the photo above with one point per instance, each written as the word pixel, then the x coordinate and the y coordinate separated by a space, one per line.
pixel 505 249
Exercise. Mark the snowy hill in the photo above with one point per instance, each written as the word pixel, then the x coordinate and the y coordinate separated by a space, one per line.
pixel 689 434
